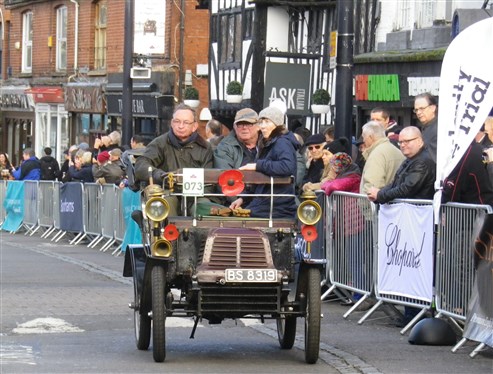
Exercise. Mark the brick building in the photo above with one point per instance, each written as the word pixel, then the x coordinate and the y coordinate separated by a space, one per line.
pixel 62 64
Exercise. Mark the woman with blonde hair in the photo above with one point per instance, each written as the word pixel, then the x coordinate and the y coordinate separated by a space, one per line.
pixel 81 169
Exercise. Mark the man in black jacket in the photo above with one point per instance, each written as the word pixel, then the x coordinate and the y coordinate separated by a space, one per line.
pixel 415 178
pixel 49 166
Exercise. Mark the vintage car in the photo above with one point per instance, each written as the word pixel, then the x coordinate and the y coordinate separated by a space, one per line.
pixel 215 263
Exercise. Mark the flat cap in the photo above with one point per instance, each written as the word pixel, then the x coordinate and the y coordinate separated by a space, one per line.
pixel 246 115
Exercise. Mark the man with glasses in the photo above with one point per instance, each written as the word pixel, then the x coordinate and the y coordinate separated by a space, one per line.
pixel 239 147
pixel 415 177
pixel 425 108
pixel 181 147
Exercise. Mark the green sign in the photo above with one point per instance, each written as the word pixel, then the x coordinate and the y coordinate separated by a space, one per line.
pixel 383 87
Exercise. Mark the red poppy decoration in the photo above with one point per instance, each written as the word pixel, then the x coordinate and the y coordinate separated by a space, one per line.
pixel 309 233
pixel 171 232
pixel 231 182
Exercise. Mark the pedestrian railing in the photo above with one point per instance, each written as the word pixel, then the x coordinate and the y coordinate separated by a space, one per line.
pixel 3 192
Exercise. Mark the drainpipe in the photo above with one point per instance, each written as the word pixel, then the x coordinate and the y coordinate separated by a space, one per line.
pixel 76 40
pixel 182 37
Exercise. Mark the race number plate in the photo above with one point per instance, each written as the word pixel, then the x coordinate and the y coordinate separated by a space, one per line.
pixel 193 182
pixel 251 275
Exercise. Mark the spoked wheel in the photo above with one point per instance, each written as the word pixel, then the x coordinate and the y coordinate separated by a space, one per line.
pixel 142 322
pixel 286 331
pixel 158 314
pixel 312 318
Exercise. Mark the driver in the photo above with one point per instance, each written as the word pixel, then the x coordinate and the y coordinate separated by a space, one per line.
pixel 181 147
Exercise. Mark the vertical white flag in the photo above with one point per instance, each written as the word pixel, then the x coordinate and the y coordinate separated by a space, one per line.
pixel 466 94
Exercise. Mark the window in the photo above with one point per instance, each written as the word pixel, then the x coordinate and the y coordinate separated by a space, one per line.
pixel 61 38
pixel 230 38
pixel 100 36
pixel 27 42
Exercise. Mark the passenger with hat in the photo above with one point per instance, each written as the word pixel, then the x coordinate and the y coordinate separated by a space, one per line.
pixel 314 165
pixel 239 147
pixel 328 151
pixel 277 158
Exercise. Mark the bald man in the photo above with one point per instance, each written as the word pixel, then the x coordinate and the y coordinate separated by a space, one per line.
pixel 415 177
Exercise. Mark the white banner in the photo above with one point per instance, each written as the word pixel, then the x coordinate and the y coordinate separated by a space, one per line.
pixel 466 94
pixel 405 251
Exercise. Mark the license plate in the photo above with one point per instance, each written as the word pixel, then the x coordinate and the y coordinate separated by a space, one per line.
pixel 251 275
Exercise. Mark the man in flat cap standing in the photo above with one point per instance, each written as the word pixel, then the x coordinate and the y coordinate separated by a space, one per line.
pixel 240 146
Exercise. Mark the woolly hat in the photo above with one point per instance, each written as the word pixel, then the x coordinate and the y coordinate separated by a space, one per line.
pixel 340 162
pixel 246 115
pixel 315 139
pixel 103 156
pixel 273 114
pixel 338 145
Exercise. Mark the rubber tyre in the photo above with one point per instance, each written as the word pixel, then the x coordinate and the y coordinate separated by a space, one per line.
pixel 142 324
pixel 158 314
pixel 286 331
pixel 312 317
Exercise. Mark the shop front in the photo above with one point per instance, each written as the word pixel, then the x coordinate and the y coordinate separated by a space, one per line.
pixel 16 121
pixel 51 120
pixel 85 103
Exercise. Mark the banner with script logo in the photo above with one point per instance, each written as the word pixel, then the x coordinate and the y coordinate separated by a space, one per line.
pixel 405 251
pixel 466 94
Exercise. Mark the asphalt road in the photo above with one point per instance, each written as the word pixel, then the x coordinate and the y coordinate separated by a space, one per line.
pixel 79 294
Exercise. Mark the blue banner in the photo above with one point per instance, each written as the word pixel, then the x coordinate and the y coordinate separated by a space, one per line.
pixel 14 206
pixel 130 202
pixel 71 212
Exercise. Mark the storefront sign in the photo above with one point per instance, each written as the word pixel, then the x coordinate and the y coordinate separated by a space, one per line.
pixel 377 87
pixel 142 105
pixel 418 85
pixel 46 94
pixel 291 84
pixel 84 99
pixel 15 98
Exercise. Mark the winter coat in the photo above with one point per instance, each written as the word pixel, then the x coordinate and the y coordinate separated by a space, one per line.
pixel 430 136
pixel 50 168
pixel 163 156
pixel 112 173
pixel 30 170
pixel 314 172
pixel 277 158
pixel 469 182
pixel 415 179
pixel 84 174
pixel 229 153
pixel 382 161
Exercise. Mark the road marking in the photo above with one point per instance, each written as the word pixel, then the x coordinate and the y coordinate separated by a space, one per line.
pixel 16 354
pixel 45 326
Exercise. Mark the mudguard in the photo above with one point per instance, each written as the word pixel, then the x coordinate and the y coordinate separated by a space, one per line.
pixel 134 265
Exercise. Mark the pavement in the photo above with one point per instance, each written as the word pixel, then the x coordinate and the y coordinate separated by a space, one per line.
pixel 376 346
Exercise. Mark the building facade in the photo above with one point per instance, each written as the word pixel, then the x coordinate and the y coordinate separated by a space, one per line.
pixel 62 68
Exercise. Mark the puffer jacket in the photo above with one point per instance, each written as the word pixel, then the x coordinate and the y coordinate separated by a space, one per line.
pixel 30 169
pixel 277 158
pixel 414 179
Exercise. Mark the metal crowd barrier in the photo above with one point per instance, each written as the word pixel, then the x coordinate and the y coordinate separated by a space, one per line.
pixel 351 229
pixel 46 207
pixel 382 298
pixel 455 261
pixel 92 214
pixel 120 225
pixel 108 215
pixel 3 191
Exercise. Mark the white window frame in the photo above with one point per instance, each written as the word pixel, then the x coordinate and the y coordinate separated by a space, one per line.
pixel 101 21
pixel 61 38
pixel 27 42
